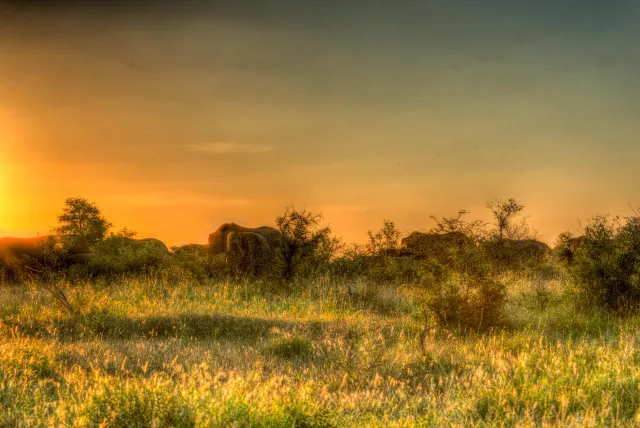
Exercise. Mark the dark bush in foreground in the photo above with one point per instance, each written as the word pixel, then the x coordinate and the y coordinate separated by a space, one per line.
pixel 606 269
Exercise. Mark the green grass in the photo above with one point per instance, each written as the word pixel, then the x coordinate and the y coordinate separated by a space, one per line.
pixel 147 353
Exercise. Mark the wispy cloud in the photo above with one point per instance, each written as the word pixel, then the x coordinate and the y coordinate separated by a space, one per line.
pixel 223 147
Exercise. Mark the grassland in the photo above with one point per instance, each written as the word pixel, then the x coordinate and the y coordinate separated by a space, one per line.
pixel 151 353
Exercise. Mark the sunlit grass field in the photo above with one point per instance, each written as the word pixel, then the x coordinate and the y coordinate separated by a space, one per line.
pixel 153 353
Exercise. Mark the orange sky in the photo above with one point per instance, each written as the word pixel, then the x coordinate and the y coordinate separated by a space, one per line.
pixel 176 124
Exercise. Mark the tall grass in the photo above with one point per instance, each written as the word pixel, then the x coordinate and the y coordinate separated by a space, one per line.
pixel 150 351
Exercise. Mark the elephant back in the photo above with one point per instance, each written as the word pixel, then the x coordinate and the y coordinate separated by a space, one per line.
pixel 270 234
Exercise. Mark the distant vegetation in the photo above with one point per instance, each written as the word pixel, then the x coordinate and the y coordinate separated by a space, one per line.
pixel 466 323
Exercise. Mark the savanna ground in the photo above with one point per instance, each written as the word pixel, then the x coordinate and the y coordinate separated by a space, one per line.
pixel 154 352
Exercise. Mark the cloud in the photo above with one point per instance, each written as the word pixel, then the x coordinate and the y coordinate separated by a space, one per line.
pixel 220 148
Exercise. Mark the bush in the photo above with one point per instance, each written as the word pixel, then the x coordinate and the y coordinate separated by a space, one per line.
pixel 198 266
pixel 606 269
pixel 113 257
pixel 466 302
pixel 305 248
pixel 467 294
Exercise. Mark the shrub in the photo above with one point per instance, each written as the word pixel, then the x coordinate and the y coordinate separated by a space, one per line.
pixel 467 302
pixel 607 265
pixel 114 257
pixel 199 266
pixel 305 248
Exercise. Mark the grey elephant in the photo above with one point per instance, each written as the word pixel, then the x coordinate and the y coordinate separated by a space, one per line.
pixel 440 246
pixel 199 249
pixel 114 243
pixel 52 251
pixel 73 247
pixel 247 250
pixel 248 253
pixel 567 249
pixel 528 247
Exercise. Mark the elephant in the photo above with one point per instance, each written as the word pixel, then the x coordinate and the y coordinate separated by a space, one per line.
pixel 569 247
pixel 16 253
pixel 529 247
pixel 218 239
pixel 116 242
pixel 246 249
pixel 202 250
pixel 150 242
pixel 74 247
pixel 248 253
pixel 516 252
pixel 436 245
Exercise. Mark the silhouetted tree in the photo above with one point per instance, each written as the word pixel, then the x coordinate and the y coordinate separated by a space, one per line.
pixel 474 229
pixel 304 245
pixel 84 218
pixel 504 212
pixel 384 241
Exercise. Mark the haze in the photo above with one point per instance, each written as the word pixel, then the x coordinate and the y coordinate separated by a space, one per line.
pixel 175 119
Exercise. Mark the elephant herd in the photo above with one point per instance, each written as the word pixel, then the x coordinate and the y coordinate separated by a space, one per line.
pixel 245 248
pixel 252 249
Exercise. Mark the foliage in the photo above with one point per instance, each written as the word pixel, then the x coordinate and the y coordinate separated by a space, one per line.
pixel 504 212
pixel 84 218
pixel 470 295
pixel 305 247
pixel 124 233
pixel 561 249
pixel 606 268
pixel 384 241
pixel 114 257
pixel 468 302
pixel 474 229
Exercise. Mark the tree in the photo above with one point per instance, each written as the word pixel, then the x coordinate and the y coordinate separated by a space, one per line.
pixel 504 212
pixel 84 218
pixel 304 246
pixel 473 229
pixel 384 241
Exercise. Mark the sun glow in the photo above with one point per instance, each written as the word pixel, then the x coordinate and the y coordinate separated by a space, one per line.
pixel 5 181
pixel 4 199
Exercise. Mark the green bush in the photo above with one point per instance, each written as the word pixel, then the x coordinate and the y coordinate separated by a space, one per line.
pixel 113 257
pixel 387 269
pixel 199 266
pixel 606 269
pixel 467 302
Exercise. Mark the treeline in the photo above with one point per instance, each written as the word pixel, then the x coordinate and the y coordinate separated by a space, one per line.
pixel 457 268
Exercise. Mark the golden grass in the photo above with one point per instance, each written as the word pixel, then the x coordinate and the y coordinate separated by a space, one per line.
pixel 148 353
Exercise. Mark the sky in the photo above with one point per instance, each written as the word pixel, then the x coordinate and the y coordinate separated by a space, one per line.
pixel 175 117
